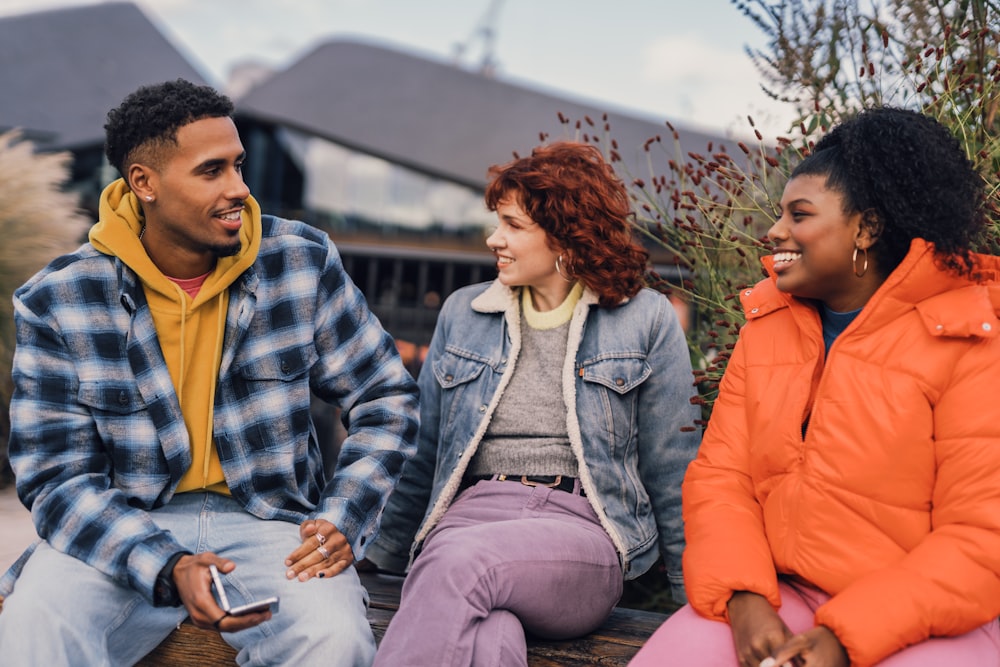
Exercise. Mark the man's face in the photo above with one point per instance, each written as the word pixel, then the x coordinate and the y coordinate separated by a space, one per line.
pixel 198 196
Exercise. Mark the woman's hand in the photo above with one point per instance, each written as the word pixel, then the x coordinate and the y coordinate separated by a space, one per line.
pixel 757 628
pixel 816 647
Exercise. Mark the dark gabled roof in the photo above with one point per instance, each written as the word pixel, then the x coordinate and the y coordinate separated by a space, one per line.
pixel 434 117
pixel 61 70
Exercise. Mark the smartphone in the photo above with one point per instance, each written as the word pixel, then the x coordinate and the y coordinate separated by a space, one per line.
pixel 254 607
pixel 249 608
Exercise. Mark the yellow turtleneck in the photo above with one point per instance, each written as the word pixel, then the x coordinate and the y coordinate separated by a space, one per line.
pixel 550 319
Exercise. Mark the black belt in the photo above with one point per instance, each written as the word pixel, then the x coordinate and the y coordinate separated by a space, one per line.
pixel 560 482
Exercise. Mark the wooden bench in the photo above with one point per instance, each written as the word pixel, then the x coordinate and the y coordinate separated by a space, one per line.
pixel 614 643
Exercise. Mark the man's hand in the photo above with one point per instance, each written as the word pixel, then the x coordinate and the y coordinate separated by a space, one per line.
pixel 324 552
pixel 757 628
pixel 816 647
pixel 194 583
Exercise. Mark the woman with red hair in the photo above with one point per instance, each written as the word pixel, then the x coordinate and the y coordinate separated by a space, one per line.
pixel 556 427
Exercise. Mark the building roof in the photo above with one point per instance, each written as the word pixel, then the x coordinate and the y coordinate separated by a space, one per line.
pixel 435 117
pixel 61 70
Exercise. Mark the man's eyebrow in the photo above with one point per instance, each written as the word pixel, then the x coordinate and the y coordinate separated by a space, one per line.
pixel 219 162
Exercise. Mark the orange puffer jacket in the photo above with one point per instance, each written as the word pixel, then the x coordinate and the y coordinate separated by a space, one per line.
pixel 891 501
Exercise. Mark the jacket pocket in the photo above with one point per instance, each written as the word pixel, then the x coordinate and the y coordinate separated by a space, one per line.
pixel 460 376
pixel 608 393
pixel 274 397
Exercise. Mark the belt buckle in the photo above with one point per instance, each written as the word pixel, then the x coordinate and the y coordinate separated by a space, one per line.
pixel 528 482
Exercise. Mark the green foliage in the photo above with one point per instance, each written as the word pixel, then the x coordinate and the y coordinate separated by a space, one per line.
pixel 38 221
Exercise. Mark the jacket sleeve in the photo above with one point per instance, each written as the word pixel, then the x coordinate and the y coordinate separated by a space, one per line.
pixel 360 367
pixel 408 503
pixel 949 583
pixel 727 549
pixel 62 468
pixel 668 436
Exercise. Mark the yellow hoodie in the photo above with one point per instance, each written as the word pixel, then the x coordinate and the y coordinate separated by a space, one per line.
pixel 190 331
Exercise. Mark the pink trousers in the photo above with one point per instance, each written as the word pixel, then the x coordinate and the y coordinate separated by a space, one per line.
pixel 694 641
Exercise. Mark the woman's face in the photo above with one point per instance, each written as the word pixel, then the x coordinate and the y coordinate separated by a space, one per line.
pixel 814 242
pixel 524 256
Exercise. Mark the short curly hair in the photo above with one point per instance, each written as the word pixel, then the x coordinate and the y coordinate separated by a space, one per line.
pixel 150 117
pixel 910 177
pixel 574 195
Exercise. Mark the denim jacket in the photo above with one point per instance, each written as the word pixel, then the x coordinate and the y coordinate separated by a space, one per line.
pixel 627 383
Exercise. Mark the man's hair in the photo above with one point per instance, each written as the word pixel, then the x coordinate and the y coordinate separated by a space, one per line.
pixel 150 117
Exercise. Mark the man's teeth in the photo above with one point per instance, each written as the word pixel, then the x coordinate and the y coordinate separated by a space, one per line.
pixel 232 217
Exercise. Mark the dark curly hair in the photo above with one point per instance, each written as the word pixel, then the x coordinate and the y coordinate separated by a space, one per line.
pixel 151 116
pixel 574 195
pixel 909 177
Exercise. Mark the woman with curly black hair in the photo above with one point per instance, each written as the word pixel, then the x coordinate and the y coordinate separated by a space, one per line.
pixel 844 507
pixel 556 426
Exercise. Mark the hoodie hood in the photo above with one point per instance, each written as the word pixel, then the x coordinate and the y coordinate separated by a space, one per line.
pixel 117 233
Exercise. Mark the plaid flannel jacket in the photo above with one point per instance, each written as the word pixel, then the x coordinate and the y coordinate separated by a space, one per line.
pixel 97 435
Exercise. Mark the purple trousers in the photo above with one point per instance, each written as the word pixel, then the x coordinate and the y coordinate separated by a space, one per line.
pixel 505 559
pixel 695 641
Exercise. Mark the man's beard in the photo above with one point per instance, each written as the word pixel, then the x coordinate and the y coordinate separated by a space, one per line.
pixel 228 249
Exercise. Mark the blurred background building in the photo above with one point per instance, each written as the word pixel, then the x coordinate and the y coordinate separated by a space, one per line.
pixel 385 150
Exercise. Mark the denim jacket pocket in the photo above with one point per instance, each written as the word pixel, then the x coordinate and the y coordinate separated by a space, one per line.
pixel 619 374
pixel 608 394
pixel 457 367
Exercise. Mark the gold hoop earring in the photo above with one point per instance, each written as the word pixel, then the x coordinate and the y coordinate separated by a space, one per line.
pixel 559 270
pixel 854 261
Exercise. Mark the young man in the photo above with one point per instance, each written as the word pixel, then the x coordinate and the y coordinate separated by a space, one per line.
pixel 160 419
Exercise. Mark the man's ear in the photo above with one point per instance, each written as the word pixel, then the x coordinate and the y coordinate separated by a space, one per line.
pixel 140 180
pixel 869 229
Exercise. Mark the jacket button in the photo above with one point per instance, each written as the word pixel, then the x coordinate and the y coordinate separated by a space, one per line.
pixel 123 398
pixel 449 378
pixel 987 326
pixel 482 408
pixel 284 366
pixel 748 292
pixel 754 310
pixel 620 382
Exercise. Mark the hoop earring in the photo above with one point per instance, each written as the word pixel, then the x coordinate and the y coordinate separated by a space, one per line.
pixel 559 270
pixel 854 261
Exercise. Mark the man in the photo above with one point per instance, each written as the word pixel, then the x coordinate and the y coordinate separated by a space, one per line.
pixel 160 419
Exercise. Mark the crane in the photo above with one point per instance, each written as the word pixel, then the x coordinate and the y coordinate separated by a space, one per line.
pixel 485 34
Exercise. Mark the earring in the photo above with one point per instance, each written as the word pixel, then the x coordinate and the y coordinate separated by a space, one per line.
pixel 559 270
pixel 149 197
pixel 854 260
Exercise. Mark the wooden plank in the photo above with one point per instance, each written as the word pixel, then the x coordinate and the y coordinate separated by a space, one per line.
pixel 611 645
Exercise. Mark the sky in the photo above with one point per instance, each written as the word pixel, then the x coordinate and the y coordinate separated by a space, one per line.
pixel 681 61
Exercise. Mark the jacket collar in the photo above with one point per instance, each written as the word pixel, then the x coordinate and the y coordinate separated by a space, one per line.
pixel 949 304
pixel 499 298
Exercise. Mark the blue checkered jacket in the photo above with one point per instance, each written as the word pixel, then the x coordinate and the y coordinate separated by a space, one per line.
pixel 97 436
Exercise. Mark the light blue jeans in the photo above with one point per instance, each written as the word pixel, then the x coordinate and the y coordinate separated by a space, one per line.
pixel 64 612
pixel 505 558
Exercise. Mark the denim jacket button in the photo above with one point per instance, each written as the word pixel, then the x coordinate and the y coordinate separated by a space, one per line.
pixel 620 382
pixel 482 408
pixel 449 378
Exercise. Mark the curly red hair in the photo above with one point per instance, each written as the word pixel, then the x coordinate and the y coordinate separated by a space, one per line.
pixel 574 195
